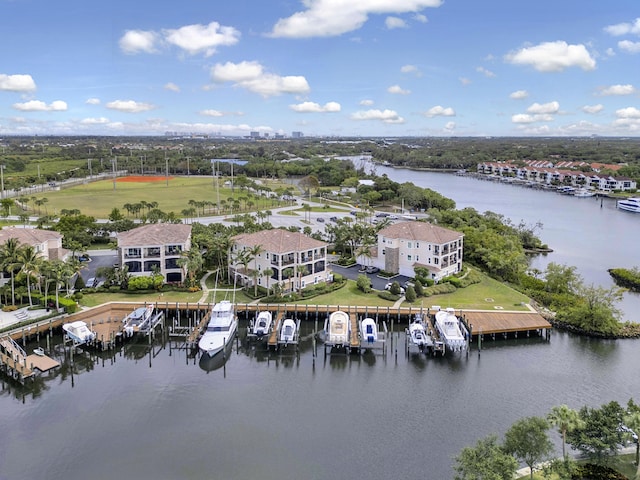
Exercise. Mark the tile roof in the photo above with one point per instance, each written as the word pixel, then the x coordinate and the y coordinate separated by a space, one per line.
pixel 278 241
pixel 420 231
pixel 155 234
pixel 28 236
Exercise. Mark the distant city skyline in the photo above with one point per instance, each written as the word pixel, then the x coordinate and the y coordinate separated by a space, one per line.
pixel 320 68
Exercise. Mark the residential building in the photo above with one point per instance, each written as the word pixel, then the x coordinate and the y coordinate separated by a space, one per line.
pixel 155 247
pixel 404 246
pixel 295 260
pixel 46 242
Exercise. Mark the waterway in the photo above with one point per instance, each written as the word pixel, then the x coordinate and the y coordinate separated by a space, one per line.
pixel 588 233
pixel 154 412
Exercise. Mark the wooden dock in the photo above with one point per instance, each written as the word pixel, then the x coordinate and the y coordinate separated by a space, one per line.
pixel 355 333
pixel 273 338
pixel 492 323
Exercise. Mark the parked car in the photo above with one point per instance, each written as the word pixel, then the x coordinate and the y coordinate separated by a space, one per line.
pixel 372 269
pixel 320 219
pixel 333 219
pixel 382 214
pixel 388 287
pixel 91 282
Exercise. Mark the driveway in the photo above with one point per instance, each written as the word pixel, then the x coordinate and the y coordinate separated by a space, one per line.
pixel 99 258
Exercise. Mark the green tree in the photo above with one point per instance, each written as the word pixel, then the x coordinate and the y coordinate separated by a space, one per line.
pixel 567 420
pixel 363 283
pixel 595 310
pixel 487 460
pixel 528 441
pixel 395 288
pixel 410 294
pixel 562 279
pixel 10 262
pixel 31 263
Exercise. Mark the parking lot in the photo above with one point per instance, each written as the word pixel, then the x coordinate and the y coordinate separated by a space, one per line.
pixel 377 282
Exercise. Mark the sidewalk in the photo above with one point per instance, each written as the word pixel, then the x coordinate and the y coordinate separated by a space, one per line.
pixel 8 319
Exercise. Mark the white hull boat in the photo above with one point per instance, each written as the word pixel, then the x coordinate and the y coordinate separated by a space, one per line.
pixel 448 327
pixel 139 319
pixel 221 329
pixel 288 331
pixel 338 329
pixel 368 331
pixel 418 334
pixel 584 193
pixel 630 204
pixel 263 325
pixel 79 332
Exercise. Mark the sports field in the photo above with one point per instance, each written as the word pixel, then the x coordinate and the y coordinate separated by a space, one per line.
pixel 98 199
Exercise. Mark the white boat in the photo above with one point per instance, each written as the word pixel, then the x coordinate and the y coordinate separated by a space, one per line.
pixel 138 320
pixel 631 204
pixel 78 332
pixel 584 193
pixel 39 351
pixel 337 329
pixel 418 334
pixel 448 326
pixel 221 329
pixel 368 331
pixel 288 331
pixel 263 325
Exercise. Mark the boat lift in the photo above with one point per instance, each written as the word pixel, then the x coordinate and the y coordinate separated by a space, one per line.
pixel 283 340
pixel 371 336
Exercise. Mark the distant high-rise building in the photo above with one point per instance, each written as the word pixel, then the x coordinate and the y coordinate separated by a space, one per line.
pixel 254 134
pixel 297 135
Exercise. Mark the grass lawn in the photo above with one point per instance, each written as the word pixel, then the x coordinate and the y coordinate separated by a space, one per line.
pixel 348 295
pixel 97 199
pixel 95 299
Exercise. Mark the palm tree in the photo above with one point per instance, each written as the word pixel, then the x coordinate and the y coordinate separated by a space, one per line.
pixel 31 262
pixel 288 273
pixel 267 272
pixel 253 253
pixel 9 260
pixel 567 420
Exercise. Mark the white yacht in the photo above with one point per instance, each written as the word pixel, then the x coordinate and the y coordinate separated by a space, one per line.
pixel 448 327
pixel 584 193
pixel 78 332
pixel 418 336
pixel 262 326
pixel 631 204
pixel 221 329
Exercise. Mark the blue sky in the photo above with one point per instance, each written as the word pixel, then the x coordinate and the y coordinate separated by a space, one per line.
pixel 322 67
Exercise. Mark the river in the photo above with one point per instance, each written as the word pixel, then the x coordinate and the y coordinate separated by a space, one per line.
pixel 581 232
pixel 152 412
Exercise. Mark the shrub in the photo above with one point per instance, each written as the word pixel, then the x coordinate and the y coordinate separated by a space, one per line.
pixel 410 295
pixel 364 283
pixel 417 286
pixel 9 308
pixel 388 296
pixel 395 288
pixel 439 289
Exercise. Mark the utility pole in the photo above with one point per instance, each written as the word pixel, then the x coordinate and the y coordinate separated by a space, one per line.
pixel 188 173
pixel 166 167
pixel 89 165
pixel 2 180
pixel 114 164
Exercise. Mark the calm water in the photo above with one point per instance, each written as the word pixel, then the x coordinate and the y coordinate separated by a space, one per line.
pixel 153 412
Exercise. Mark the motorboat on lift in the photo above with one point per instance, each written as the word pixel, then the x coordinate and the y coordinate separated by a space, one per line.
pixel 417 332
pixel 138 320
pixel 288 331
pixel 368 331
pixel 78 332
pixel 263 325
pixel 448 326
pixel 337 329
pixel 221 329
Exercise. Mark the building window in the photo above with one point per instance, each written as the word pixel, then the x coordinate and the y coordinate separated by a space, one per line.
pixel 408 244
pixel 408 257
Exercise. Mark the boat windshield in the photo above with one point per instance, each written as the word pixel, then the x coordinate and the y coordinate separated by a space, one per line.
pixel 218 329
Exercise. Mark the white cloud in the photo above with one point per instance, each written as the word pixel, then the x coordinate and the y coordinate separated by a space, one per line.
pixel 439 111
pixel 527 118
pixel 386 116
pixel 92 101
pixel 485 72
pixel 39 106
pixel 324 18
pixel 553 57
pixel 519 94
pixel 17 83
pixel 94 121
pixel 211 113
pixel 610 52
pixel 629 46
pixel 465 81
pixel 408 69
pixel 450 126
pixel 202 38
pixel 395 22
pixel 618 90
pixel 139 41
pixel 171 87
pixel 624 28
pixel 398 90
pixel 593 109
pixel 313 107
pixel 366 103
pixel 251 75
pixel 129 106
pixel 419 17
pixel 544 108
pixel 629 112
